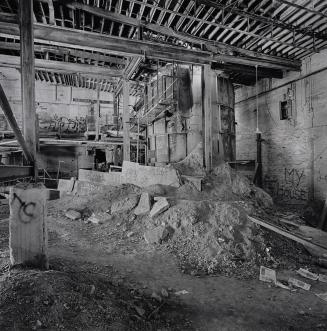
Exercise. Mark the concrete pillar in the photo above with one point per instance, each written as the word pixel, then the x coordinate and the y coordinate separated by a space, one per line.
pixel 28 237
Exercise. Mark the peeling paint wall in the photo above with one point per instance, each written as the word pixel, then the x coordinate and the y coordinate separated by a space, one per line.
pixel 294 150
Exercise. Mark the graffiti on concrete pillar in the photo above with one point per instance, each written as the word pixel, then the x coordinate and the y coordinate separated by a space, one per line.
pixel 26 211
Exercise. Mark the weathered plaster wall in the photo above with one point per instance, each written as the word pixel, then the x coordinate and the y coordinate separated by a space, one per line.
pixel 54 101
pixel 294 149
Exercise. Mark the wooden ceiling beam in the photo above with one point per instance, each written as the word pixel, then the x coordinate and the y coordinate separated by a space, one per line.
pixel 64 67
pixel 66 51
pixel 267 20
pixel 212 46
pixel 123 46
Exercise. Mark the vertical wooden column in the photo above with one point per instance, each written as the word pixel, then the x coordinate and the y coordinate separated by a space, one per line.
pixel 27 75
pixel 126 119
pixel 207 115
pixel 97 114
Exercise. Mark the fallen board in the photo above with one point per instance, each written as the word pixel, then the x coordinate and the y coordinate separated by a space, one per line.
pixel 314 246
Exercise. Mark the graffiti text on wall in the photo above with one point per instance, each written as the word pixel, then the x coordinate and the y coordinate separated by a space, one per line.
pixel 290 187
pixel 63 124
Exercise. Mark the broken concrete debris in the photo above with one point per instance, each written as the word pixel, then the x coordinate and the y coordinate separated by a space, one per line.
pixel 124 205
pixel 99 218
pixel 298 283
pixel 144 205
pixel 73 214
pixel 159 207
pixel 66 186
pixel 307 274
pixel 267 275
pixel 157 234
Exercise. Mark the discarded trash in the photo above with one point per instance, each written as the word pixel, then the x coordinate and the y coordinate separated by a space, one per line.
pixel 322 296
pixel 267 275
pixel 92 290
pixel 182 292
pixel 323 278
pixel 164 293
pixel 299 283
pixel 307 274
pixel 139 310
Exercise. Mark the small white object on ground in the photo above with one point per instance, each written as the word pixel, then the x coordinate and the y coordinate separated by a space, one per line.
pixel 299 283
pixel 267 275
pixel 307 274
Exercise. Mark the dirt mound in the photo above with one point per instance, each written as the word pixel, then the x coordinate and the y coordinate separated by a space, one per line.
pixel 211 236
pixel 239 185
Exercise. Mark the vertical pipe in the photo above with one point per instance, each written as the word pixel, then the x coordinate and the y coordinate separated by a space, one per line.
pixel 27 75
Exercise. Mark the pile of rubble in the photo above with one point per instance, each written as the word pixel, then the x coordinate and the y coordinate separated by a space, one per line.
pixel 207 230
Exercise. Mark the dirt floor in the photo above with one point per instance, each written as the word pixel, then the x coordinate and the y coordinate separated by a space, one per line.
pixel 107 277
pixel 101 279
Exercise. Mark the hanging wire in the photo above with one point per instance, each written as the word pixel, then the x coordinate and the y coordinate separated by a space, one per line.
pixel 257 96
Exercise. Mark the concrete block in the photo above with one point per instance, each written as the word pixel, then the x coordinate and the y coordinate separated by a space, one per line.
pixel 144 205
pixel 103 178
pixel 28 237
pixel 66 185
pixel 159 207
pixel 73 214
pixel 156 235
pixel 99 218
pixel 124 204
pixel 144 176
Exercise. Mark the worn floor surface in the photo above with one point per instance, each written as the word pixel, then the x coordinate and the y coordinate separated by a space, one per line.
pixel 207 303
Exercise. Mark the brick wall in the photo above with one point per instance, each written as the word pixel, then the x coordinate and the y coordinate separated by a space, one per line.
pixel 294 149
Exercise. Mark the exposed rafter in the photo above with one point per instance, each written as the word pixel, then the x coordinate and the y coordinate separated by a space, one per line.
pixel 64 67
pixel 115 45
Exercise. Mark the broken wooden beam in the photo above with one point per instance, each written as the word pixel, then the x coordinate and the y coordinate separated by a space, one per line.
pixel 4 103
pixel 277 229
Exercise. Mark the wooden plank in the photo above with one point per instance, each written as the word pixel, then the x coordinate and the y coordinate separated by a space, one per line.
pixel 287 234
pixel 4 104
pixel 27 72
pixel 63 67
pixel 126 120
pixel 123 46
pixel 66 51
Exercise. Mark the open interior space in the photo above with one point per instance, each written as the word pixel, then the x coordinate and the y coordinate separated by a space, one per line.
pixel 163 165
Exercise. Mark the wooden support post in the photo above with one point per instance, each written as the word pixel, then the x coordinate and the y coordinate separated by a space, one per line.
pixel 126 119
pixel 207 115
pixel 28 238
pixel 28 74
pixel 97 114
pixel 4 104
pixel 258 175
